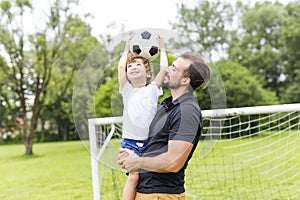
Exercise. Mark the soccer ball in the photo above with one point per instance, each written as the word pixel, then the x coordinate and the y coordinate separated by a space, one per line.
pixel 145 44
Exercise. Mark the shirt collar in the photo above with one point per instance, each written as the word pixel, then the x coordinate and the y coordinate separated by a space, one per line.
pixel 169 104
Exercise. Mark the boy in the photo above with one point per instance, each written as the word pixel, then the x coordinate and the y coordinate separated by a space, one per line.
pixel 140 98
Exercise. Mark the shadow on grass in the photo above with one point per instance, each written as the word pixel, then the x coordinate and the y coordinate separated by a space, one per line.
pixel 27 157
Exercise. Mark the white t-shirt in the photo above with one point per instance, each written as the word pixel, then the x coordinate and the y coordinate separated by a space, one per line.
pixel 140 106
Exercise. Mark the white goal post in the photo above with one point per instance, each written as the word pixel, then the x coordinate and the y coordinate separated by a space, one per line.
pixel 263 123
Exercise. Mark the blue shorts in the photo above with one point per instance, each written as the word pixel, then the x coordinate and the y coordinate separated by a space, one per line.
pixel 135 145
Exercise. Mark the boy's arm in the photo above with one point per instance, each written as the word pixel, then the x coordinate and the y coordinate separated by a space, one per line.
pixel 163 63
pixel 122 66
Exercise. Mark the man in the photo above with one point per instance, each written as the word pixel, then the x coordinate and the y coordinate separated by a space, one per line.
pixel 174 133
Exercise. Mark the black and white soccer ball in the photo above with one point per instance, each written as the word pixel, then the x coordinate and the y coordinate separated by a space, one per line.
pixel 145 44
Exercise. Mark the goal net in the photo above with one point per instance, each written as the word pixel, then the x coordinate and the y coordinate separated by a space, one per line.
pixel 244 153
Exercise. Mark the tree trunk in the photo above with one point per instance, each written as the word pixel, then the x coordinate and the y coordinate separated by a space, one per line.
pixel 43 131
pixel 28 145
pixel 65 135
pixel 65 130
pixel 29 134
pixel 27 139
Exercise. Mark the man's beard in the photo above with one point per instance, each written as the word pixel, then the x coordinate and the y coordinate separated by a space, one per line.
pixel 167 84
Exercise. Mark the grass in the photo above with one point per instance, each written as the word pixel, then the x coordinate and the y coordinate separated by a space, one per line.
pixel 263 167
pixel 59 171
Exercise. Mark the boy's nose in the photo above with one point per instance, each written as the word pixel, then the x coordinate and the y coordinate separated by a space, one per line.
pixel 133 66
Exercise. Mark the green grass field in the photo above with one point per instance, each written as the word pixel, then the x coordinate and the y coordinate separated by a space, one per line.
pixel 57 171
pixel 260 167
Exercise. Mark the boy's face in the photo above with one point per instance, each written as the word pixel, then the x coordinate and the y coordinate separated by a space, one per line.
pixel 136 70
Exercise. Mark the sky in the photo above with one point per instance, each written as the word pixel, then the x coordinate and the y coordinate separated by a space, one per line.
pixel 132 14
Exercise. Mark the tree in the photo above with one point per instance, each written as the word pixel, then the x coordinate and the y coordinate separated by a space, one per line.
pixel 242 87
pixel 108 101
pixel 4 98
pixel 205 25
pixel 34 58
pixel 231 86
pixel 257 45
pixel 78 42
pixel 290 37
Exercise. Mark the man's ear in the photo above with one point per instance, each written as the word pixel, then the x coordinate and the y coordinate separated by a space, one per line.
pixel 186 80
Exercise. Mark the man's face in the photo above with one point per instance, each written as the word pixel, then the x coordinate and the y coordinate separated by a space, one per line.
pixel 175 74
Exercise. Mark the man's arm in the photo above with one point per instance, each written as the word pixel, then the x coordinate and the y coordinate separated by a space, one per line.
pixel 171 161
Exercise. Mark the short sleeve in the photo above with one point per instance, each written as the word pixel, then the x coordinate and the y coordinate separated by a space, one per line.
pixel 186 127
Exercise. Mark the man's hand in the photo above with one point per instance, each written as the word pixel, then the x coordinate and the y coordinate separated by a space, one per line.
pixel 129 160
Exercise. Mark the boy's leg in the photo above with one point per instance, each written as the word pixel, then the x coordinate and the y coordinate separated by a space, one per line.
pixel 129 190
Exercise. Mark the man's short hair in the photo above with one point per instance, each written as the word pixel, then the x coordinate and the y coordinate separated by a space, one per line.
pixel 198 71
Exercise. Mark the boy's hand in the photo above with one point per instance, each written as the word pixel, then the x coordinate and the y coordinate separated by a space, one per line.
pixel 127 46
pixel 161 43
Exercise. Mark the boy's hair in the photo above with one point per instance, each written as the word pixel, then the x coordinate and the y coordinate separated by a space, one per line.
pixel 198 71
pixel 149 68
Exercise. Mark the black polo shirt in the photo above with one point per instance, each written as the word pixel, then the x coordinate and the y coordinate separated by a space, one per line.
pixel 177 120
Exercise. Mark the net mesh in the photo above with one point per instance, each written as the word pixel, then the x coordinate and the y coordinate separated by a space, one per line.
pixel 249 156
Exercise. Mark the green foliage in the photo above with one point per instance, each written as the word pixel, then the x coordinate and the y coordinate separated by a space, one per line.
pixel 108 101
pixel 290 53
pixel 21 3
pixel 205 25
pixel 5 68
pixel 257 45
pixel 45 71
pixel 292 93
pixel 263 38
pixel 243 88
pixel 5 5
pixel 76 46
